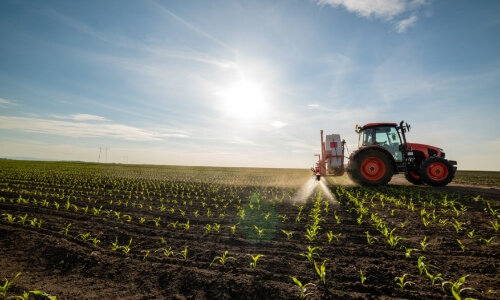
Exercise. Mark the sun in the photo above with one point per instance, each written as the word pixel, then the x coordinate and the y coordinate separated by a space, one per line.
pixel 244 100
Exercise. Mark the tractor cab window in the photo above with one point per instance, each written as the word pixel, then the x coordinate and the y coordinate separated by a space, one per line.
pixel 366 137
pixel 388 137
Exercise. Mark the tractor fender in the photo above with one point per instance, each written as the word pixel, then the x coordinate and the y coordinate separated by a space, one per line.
pixel 378 148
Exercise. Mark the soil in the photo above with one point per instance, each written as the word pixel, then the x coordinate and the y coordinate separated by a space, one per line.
pixel 70 266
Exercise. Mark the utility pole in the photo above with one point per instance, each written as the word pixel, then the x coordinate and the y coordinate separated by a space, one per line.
pixel 100 150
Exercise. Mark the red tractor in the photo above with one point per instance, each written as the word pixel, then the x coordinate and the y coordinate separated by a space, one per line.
pixel 382 152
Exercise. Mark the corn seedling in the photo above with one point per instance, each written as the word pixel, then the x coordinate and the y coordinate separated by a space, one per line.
pixel 253 263
pixel 433 278
pixel 455 287
pixel 471 234
pixel 146 254
pixel 114 245
pixel 166 251
pixel 223 258
pixel 458 225
pixel 95 241
pixel 423 266
pixel 302 287
pixel 401 281
pixel 408 251
pixel 495 225
pixel 7 284
pixel 66 229
pixel 321 271
pixel 394 240
pixel 424 243
pixel 23 219
pixel 260 232
pixel 487 242
pixel 216 227
pixel 370 239
pixel 233 229
pixel 288 233
pixel 9 218
pixel 362 277
pixel 311 253
pixel 84 236
pixel 462 246
pixel 184 253
pixel 126 248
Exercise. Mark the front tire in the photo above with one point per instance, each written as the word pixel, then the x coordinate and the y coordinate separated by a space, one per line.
pixel 370 168
pixel 436 171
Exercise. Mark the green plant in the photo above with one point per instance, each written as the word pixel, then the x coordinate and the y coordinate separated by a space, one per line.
pixel 462 246
pixel 184 252
pixel 23 219
pixel 370 239
pixel 66 229
pixel 166 251
pixel 455 287
pixel 126 248
pixel 288 233
pixel 321 271
pixel 223 258
pixel 114 245
pixel 401 281
pixel 302 287
pixel 146 254
pixel 362 277
pixel 260 232
pixel 9 218
pixel 408 251
pixel 424 243
pixel 311 253
pixel 495 225
pixel 422 266
pixel 434 277
pixel 487 242
pixel 7 284
pixel 233 229
pixel 253 263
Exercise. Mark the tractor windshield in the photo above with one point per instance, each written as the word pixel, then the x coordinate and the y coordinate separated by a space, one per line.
pixel 387 137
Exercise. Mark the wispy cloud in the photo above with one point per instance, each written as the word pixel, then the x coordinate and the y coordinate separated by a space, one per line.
pixel 387 10
pixel 7 103
pixel 82 117
pixel 82 129
pixel 404 24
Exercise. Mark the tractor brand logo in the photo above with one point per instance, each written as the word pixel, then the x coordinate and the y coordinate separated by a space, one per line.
pixel 333 144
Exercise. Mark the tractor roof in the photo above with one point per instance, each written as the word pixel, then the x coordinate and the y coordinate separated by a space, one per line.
pixel 379 124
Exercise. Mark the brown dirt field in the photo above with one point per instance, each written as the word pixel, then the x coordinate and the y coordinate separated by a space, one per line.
pixel 72 267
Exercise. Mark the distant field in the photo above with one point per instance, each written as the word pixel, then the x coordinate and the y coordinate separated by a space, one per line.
pixel 486 178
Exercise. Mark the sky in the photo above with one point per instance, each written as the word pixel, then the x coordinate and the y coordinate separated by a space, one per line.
pixel 244 83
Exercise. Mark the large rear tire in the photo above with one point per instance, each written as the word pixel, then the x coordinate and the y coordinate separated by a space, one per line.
pixel 414 177
pixel 370 168
pixel 436 171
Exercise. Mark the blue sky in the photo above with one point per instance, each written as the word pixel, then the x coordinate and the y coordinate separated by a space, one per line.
pixel 245 83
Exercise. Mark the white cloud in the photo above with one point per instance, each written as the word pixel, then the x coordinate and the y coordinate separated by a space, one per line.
pixel 403 24
pixel 86 117
pixel 6 103
pixel 387 10
pixel 81 129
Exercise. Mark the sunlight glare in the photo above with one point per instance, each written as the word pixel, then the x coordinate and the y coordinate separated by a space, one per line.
pixel 244 100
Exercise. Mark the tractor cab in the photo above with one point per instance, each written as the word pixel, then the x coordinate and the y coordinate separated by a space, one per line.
pixel 381 134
